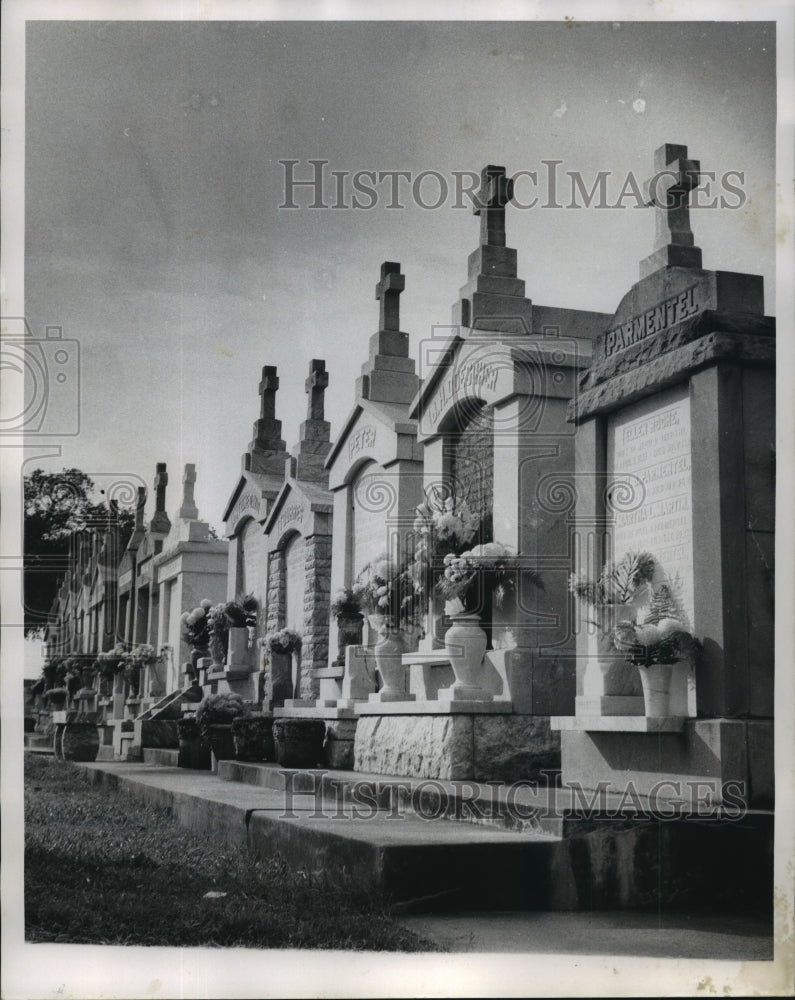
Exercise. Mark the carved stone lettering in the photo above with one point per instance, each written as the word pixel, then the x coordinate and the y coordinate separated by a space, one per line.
pixel 649 444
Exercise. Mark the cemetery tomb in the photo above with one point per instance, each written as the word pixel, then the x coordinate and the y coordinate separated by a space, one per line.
pixel 491 419
pixel 252 498
pixel 676 416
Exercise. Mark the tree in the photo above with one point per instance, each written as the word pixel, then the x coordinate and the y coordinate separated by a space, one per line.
pixel 57 506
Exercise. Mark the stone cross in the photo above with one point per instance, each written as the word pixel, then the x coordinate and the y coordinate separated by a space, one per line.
pixel 674 178
pixel 188 511
pixel 161 481
pixel 388 292
pixel 267 391
pixel 496 190
pixel 315 387
pixel 139 507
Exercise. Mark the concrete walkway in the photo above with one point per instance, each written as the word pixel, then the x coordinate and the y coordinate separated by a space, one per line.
pixel 716 936
pixel 453 881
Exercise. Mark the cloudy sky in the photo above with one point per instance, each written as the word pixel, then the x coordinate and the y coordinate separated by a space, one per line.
pixel 154 235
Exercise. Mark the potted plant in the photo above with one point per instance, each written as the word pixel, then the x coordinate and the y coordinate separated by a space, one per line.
pixel 193 751
pixel 253 737
pixel 615 598
pixel 196 632
pixel 299 742
pixel 241 621
pixel 487 570
pixel 655 646
pixel 282 640
pixel 346 608
pixel 56 698
pixel 215 715
pixel 444 525
pixel 385 590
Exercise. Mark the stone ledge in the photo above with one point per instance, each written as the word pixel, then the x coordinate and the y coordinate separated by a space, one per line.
pixel 618 723
pixel 314 712
pixel 623 388
pixel 436 708
pixel 228 675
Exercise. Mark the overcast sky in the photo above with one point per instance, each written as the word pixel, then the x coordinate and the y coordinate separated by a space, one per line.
pixel 154 236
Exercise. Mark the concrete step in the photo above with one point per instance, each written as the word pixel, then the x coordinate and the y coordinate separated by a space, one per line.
pixel 425 845
pixel 160 756
pixel 37 741
pixel 516 808
pixel 416 862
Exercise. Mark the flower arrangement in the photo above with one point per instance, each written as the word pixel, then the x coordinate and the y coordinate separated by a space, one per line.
pixel 442 526
pixel 220 709
pixel 620 583
pixel 282 640
pixel 196 625
pixel 219 618
pixel 142 655
pixel 111 661
pixel 661 637
pixel 384 588
pixel 486 568
pixel 346 602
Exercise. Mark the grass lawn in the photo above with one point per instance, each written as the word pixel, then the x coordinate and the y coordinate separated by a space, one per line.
pixel 101 869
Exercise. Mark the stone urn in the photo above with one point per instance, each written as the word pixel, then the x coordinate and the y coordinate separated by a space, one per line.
pixel 350 627
pixel 608 671
pixel 465 644
pixel 193 752
pixel 299 742
pixel 389 661
pixel 56 698
pixel 79 741
pixel 221 740
pixel 253 736
pixel 656 682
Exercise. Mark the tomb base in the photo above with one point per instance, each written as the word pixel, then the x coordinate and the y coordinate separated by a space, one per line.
pixel 608 704
pixel 340 730
pixel 456 743
pixel 722 760
pixel 384 697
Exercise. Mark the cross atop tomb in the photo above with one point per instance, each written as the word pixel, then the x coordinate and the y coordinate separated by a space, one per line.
pixel 160 522
pixel 139 508
pixel 496 190
pixel 315 387
pixel 267 390
pixel 388 292
pixel 675 176
pixel 188 511
pixel 161 481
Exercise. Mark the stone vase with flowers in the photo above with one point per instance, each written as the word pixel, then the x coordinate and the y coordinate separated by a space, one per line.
pixel 485 571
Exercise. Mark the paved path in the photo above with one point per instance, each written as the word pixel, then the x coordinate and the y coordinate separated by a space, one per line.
pixel 685 935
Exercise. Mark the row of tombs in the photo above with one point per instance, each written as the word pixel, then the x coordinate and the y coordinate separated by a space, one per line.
pixel 549 549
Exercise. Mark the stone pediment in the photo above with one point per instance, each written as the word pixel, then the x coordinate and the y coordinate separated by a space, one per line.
pixel 374 432
pixel 473 367
pixel 250 499
pixel 670 324
pixel 302 507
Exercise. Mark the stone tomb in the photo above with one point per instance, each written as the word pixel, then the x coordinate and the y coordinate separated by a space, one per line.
pixel 166 569
pixel 298 542
pixel 676 418
pixel 191 567
pixel 375 475
pixel 375 483
pixel 491 419
pixel 261 479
